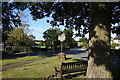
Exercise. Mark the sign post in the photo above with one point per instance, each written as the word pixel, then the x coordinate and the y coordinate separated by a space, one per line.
pixel 61 38
pixel 61 55
pixel 61 46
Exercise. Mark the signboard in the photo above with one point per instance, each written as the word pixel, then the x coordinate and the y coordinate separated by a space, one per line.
pixel 61 37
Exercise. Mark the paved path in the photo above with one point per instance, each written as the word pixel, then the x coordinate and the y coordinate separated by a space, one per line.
pixel 115 61
pixel 15 65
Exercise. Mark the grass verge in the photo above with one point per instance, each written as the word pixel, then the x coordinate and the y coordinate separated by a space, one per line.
pixel 36 69
pixel 20 59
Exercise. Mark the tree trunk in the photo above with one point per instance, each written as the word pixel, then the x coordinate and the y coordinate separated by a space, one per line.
pixel 99 53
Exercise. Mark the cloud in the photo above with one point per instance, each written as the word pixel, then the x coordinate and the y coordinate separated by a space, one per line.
pixel 40 30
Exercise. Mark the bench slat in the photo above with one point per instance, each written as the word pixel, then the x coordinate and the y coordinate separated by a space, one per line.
pixel 72 67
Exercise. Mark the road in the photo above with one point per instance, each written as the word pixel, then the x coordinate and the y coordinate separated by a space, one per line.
pixel 77 53
pixel 74 52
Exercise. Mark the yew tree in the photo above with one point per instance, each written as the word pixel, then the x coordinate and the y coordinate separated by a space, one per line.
pixel 96 18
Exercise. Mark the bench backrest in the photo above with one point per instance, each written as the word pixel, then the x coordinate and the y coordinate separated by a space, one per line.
pixel 73 65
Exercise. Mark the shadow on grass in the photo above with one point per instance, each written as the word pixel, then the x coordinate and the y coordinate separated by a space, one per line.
pixel 15 56
pixel 84 57
pixel 74 74
pixel 68 58
pixel 116 73
pixel 80 60
pixel 70 76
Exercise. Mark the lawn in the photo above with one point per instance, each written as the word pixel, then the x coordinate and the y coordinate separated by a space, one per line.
pixel 19 59
pixel 37 69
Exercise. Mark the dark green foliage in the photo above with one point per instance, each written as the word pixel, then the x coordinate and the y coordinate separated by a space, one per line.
pixel 113 45
pixel 14 49
pixel 70 14
pixel 116 19
pixel 67 14
pixel 51 37
pixel 69 40
pixel 19 40
pixel 10 17
pixel 83 39
pixel 84 42
pixel 18 37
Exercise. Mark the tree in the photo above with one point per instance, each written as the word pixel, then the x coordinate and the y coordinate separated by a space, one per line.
pixel 10 17
pixel 31 37
pixel 113 45
pixel 30 40
pixel 116 19
pixel 83 39
pixel 51 37
pixel 75 15
pixel 13 10
pixel 99 54
pixel 18 37
pixel 96 18
pixel 68 37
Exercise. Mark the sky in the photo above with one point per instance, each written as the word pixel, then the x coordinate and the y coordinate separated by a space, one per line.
pixel 38 27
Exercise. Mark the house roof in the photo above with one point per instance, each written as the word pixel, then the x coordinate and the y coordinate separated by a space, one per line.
pixel 117 37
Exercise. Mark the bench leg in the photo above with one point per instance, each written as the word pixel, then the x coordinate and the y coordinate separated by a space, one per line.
pixel 56 74
pixel 61 75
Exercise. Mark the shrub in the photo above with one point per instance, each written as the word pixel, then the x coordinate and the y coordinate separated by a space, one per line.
pixel 18 49
pixel 113 45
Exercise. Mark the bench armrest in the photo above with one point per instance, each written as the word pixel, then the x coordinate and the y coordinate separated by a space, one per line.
pixel 55 69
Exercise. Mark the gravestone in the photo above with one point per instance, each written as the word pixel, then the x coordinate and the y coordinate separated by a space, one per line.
pixel 61 56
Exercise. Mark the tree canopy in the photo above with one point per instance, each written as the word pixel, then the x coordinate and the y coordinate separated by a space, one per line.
pixel 83 39
pixel 69 40
pixel 51 37
pixel 69 14
pixel 18 37
pixel 73 14
pixel 11 17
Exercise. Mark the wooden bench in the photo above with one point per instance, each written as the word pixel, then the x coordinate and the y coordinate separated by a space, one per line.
pixel 71 67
